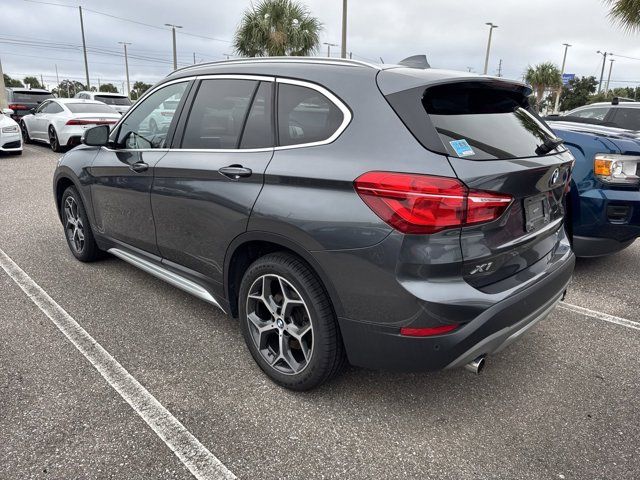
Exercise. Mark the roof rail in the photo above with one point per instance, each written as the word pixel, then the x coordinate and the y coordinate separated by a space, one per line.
pixel 617 100
pixel 317 60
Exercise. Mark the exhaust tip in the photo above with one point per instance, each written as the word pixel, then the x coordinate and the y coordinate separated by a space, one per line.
pixel 476 366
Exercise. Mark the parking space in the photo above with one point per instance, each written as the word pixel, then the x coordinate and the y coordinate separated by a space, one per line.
pixel 560 403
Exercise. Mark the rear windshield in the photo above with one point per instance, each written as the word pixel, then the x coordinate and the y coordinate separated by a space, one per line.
pixel 481 122
pixel 109 100
pixel 31 97
pixel 89 108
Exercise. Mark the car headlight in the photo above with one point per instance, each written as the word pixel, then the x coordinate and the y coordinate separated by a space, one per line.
pixel 11 129
pixel 620 169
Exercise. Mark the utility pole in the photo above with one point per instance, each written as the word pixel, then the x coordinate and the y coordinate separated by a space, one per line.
pixel 500 68
pixel 3 94
pixel 343 47
pixel 84 49
pixel 57 77
pixel 329 45
pixel 564 62
pixel 194 58
pixel 486 60
pixel 126 66
pixel 175 53
pixel 42 81
pixel 604 61
pixel 350 55
pixel 609 77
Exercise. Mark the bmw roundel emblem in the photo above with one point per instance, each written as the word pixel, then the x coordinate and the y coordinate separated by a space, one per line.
pixel 555 176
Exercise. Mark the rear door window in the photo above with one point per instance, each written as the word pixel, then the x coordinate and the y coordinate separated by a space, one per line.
pixel 258 129
pixel 218 114
pixel 305 115
pixel 628 118
pixel 482 122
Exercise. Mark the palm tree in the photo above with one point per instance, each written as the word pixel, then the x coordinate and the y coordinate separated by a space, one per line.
pixel 276 28
pixel 626 13
pixel 543 77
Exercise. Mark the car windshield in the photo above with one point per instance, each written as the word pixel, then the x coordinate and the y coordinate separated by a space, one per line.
pixel 90 108
pixel 113 100
pixel 31 97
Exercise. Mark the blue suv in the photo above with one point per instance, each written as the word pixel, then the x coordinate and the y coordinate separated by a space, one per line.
pixel 604 202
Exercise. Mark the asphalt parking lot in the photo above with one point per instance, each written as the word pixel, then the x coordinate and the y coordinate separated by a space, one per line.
pixel 563 402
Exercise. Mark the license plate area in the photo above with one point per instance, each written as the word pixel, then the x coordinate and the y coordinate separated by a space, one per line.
pixel 537 212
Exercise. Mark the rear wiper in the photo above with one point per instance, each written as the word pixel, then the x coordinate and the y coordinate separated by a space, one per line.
pixel 548 145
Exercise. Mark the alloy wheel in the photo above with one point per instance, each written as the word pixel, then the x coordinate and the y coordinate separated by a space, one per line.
pixel 53 140
pixel 74 227
pixel 280 324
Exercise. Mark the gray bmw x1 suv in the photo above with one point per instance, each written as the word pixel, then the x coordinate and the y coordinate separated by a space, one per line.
pixel 394 217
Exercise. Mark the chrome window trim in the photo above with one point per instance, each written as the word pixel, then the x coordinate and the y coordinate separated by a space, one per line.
pixel 346 114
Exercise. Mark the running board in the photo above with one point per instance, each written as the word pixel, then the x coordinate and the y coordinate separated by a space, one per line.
pixel 167 275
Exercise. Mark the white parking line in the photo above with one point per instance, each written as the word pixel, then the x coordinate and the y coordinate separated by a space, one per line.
pixel 200 461
pixel 601 316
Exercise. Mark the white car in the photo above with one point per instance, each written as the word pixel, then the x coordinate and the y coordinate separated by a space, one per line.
pixel 10 139
pixel 61 122
pixel 118 101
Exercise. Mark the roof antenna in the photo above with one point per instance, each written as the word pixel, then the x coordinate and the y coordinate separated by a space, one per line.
pixel 415 61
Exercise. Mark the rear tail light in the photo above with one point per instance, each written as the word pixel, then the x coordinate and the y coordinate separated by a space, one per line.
pixel 17 106
pixel 424 204
pixel 427 332
pixel 90 122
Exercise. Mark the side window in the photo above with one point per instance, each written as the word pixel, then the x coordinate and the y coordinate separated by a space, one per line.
pixel 42 107
pixel 218 114
pixel 628 118
pixel 595 113
pixel 258 129
pixel 52 107
pixel 305 115
pixel 147 125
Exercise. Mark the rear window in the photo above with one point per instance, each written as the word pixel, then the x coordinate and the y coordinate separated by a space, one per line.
pixel 89 108
pixel 482 122
pixel 31 97
pixel 110 100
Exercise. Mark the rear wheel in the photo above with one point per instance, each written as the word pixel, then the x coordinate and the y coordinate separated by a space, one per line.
pixel 53 140
pixel 77 228
pixel 288 322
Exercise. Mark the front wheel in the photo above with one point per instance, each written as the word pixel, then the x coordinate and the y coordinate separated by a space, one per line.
pixel 25 132
pixel 77 228
pixel 288 322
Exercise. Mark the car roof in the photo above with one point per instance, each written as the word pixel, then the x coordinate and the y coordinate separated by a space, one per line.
pixel 64 101
pixel 303 66
pixel 611 132
pixel 27 90
pixel 609 104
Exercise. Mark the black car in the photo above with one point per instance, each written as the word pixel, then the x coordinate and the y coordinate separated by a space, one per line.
pixel 394 217
pixel 22 100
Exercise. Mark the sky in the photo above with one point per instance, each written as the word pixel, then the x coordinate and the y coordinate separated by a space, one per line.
pixel 36 36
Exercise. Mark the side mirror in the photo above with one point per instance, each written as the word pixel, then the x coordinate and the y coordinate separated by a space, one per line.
pixel 97 136
pixel 8 112
pixel 32 111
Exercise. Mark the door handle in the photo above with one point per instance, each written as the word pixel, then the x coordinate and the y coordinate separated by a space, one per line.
pixel 235 172
pixel 139 167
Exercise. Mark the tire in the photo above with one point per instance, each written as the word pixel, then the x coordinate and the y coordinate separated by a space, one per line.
pixel 25 132
pixel 77 229
pixel 316 353
pixel 54 143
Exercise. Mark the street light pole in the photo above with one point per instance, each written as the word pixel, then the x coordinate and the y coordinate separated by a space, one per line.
pixel 604 61
pixel 126 66
pixel 84 49
pixel 609 77
pixel 343 48
pixel 329 45
pixel 486 60
pixel 564 62
pixel 175 54
pixel 3 94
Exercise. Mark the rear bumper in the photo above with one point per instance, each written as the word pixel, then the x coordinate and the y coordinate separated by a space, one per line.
pixel 585 247
pixel 503 321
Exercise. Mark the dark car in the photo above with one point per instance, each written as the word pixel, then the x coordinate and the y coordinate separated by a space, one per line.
pixel 404 218
pixel 23 100
pixel 604 203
